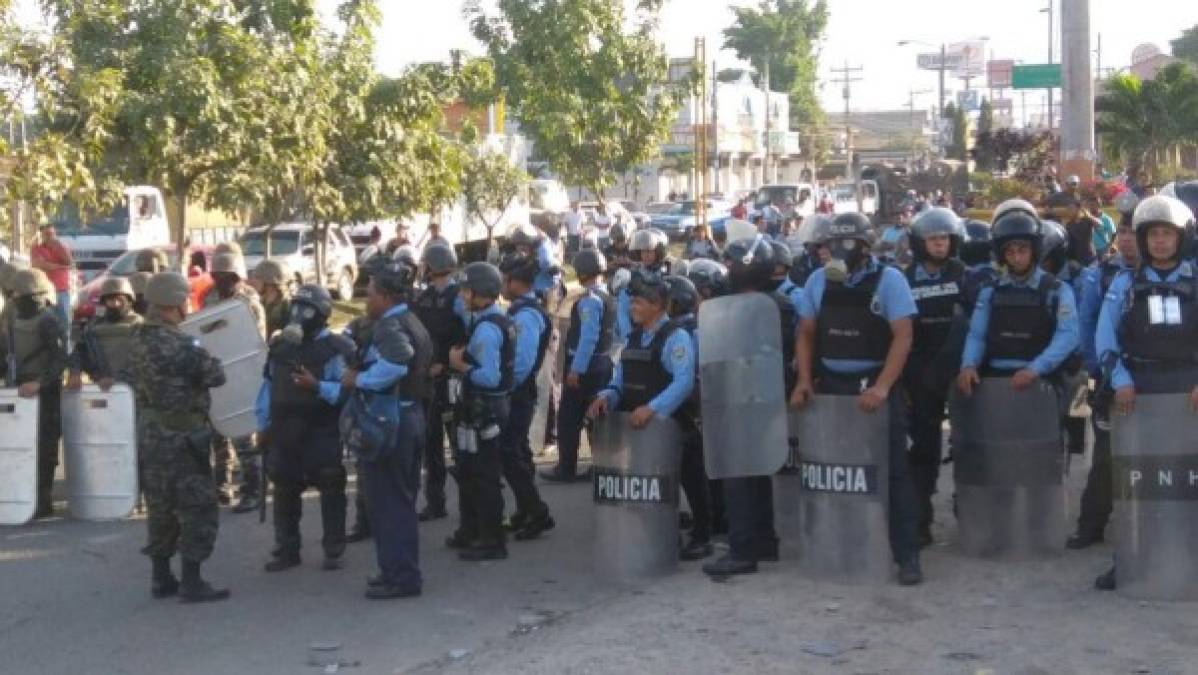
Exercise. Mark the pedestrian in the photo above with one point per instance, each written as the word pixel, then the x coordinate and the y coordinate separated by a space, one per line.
pixel 574 220
pixel 172 377
pixel 434 236
pixel 39 358
pixel 482 414
pixel 373 248
pixel 741 210
pixel 298 410
pixel 52 257
pixel 533 329
pixel 699 244
pixel 1067 210
pixel 102 350
pixel 1104 233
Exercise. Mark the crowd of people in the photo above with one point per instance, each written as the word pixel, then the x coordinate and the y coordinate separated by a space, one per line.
pixel 446 358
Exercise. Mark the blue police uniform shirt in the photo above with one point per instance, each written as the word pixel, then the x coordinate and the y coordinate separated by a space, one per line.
pixel 1065 340
pixel 549 275
pixel 677 357
pixel 380 375
pixel 892 301
pixel 623 314
pixel 329 385
pixel 529 327
pixel 792 292
pixel 590 314
pixel 1089 306
pixel 1117 302
pixel 485 348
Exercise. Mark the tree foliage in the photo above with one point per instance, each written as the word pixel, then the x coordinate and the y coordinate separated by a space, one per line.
pixel 985 162
pixel 1011 149
pixel 588 83
pixel 1140 120
pixel 1186 46
pixel 489 184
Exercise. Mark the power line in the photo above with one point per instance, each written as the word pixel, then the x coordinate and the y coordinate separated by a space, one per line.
pixel 846 81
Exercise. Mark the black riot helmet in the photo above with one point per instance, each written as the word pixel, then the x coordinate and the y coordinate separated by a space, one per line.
pixel 783 257
pixel 650 286
pixel 440 259
pixel 849 239
pixel 589 263
pixel 932 223
pixel 750 265
pixel 524 234
pixel 976 248
pixel 1016 225
pixel 1054 247
pixel 393 277
pixel 519 267
pixel 709 277
pixel 483 279
pixel 684 297
pixel 311 307
pixel 617 234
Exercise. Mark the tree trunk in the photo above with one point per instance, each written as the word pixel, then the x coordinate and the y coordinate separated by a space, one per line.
pixel 181 227
pixel 320 230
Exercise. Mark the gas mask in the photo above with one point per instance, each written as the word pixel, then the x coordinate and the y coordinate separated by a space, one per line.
pixel 226 283
pixel 115 314
pixel 304 323
pixel 847 254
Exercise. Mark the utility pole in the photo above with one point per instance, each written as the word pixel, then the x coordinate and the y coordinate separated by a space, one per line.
pixel 1048 9
pixel 846 80
pixel 765 89
pixel 1077 91
pixel 715 122
pixel 916 132
pixel 701 136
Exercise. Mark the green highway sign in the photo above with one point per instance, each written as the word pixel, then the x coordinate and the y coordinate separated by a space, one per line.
pixel 1037 76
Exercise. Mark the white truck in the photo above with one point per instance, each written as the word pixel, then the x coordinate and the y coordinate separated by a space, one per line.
pixel 138 222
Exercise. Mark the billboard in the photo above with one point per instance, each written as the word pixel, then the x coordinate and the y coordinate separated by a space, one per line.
pixel 969 100
pixel 1037 76
pixel 999 73
pixel 971 58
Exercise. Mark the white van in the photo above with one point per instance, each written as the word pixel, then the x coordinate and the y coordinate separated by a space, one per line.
pixel 139 222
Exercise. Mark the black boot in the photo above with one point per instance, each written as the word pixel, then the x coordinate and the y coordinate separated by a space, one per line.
pixel 534 526
pixel 249 502
pixel 728 566
pixel 1106 581
pixel 285 560
pixel 910 573
pixel 1083 539
pixel 195 589
pixel 432 512
pixel 45 496
pixel 164 583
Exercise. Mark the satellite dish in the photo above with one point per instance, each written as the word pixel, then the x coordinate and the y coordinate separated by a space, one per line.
pixel 1144 53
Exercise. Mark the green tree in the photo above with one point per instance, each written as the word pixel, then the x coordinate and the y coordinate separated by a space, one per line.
pixel 1139 122
pixel 489 185
pixel 588 82
pixel 985 161
pixel 1186 46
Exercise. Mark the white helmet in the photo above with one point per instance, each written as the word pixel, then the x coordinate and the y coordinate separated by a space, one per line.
pixel 739 229
pixel 1014 205
pixel 1161 210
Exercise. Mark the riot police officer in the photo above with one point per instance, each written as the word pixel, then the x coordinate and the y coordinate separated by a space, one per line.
pixel 1148 324
pixel 35 336
pixel 709 278
pixel 298 410
pixel 588 361
pixel 271 277
pixel 102 350
pixel 396 361
pixel 530 241
pixel 616 249
pixel 854 339
pixel 813 233
pixel 533 333
pixel 936 277
pixel 481 414
pixel 783 264
pixel 171 376
pixel 1055 259
pixel 440 310
pixel 648 249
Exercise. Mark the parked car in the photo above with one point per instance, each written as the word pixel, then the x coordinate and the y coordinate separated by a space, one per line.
pixel 680 218
pixel 639 216
pixel 615 211
pixel 294 244
pixel 88 296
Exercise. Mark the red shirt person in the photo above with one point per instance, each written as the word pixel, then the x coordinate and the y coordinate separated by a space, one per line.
pixel 53 257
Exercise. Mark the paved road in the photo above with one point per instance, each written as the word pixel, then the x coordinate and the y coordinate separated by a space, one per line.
pixel 76 600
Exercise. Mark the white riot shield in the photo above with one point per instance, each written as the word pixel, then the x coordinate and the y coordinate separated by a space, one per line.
pixel 786 490
pixel 1008 466
pixel 843 491
pixel 1155 457
pixel 636 497
pixel 18 457
pixel 229 332
pixel 744 393
pixel 99 437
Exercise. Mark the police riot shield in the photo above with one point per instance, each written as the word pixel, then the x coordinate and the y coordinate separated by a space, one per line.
pixel 1155 458
pixel 99 438
pixel 229 332
pixel 636 497
pixel 18 457
pixel 744 397
pixel 786 489
pixel 843 491
pixel 1008 466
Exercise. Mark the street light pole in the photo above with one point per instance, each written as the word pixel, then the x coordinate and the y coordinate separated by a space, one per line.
pixel 943 68
pixel 1048 9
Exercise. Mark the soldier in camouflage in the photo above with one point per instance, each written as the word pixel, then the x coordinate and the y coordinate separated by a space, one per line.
pixel 102 350
pixel 229 277
pixel 270 280
pixel 138 282
pixel 171 376
pixel 36 337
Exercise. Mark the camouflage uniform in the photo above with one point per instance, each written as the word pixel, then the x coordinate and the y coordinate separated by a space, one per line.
pixel 171 376
pixel 276 314
pixel 248 456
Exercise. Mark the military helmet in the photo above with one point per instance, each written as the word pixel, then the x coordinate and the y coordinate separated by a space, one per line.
pixel 932 223
pixel 394 277
pixel 976 249
pixel 167 289
pixel 229 263
pixel 1013 205
pixel 138 282
pixel 649 286
pixel 152 260
pixel 272 271
pixel 227 247
pixel 29 282
pixel 440 259
pixel 316 297
pixel 851 226
pixel 683 296
pixel 116 286
pixel 519 267
pixel 482 279
pixel 617 233
pixel 1013 225
pixel 589 263
pixel 783 257
pixel 523 234
pixel 709 277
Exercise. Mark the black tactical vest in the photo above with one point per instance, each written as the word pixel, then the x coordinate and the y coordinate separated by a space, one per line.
pixel 937 301
pixel 288 402
pixel 507 354
pixel 1022 320
pixel 435 310
pixel 606 324
pixel 1173 342
pixel 519 305
pixel 790 321
pixel 847 328
pixel 644 375
pixel 416 385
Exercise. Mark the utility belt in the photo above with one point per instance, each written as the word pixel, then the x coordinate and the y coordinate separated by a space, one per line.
pixel 831 382
pixel 197 434
pixel 1162 377
pixel 477 416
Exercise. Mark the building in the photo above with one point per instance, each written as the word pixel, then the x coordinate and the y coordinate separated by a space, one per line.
pixel 893 136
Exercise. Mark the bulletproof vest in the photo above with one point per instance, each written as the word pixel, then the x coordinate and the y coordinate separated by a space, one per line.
pixel 974 281
pixel 801 270
pixel 790 321
pixel 847 328
pixel 115 341
pixel 1108 270
pixel 33 355
pixel 937 301
pixel 507 353
pixel 290 403
pixel 435 310
pixel 417 385
pixel 1022 320
pixel 1167 332
pixel 519 305
pixel 644 375
pixel 606 326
